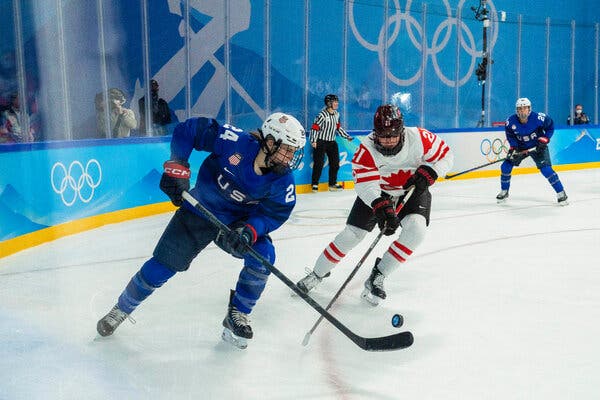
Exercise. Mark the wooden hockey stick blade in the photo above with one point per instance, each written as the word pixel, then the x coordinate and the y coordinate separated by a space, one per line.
pixel 386 343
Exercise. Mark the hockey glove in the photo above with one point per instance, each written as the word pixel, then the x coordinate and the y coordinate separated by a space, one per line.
pixel 423 177
pixel 175 180
pixel 515 157
pixel 238 241
pixel 542 144
pixel 387 220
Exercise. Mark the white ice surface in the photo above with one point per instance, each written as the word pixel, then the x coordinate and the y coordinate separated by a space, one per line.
pixel 503 300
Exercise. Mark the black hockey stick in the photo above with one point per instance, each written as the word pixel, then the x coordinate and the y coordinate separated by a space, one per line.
pixel 392 342
pixel 485 165
pixel 473 169
pixel 355 270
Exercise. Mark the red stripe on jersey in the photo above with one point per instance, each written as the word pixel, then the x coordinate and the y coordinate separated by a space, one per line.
pixel 336 250
pixel 437 153
pixel 338 125
pixel 437 156
pixel 316 127
pixel 427 138
pixel 366 179
pixel 396 255
pixel 444 152
pixel 363 158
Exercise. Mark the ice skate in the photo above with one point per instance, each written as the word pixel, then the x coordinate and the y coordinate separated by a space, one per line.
pixel 315 188
pixel 374 290
pixel 502 196
pixel 309 282
pixel 237 329
pixel 562 198
pixel 111 321
pixel 335 188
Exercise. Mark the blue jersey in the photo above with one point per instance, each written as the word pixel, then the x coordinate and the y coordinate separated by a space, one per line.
pixel 525 136
pixel 227 183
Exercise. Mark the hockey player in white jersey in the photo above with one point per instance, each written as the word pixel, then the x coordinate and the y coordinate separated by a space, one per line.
pixel 387 163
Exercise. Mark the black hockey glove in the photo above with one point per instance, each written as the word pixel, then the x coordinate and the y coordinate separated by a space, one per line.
pixel 387 220
pixel 175 180
pixel 237 241
pixel 423 177
pixel 542 144
pixel 515 157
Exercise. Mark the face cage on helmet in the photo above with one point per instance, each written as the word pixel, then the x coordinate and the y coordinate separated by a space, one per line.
pixel 279 168
pixel 388 151
pixel 523 114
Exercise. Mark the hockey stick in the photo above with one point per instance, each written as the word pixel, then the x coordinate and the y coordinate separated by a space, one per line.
pixel 385 343
pixel 355 270
pixel 485 165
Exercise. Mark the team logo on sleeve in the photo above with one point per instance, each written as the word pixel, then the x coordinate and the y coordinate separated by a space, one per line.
pixel 235 159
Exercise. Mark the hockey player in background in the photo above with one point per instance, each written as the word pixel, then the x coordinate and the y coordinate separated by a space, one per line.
pixel 247 183
pixel 387 163
pixel 528 134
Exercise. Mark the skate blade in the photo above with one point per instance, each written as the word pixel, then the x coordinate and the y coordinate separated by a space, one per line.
pixel 501 201
pixel 369 298
pixel 563 203
pixel 229 337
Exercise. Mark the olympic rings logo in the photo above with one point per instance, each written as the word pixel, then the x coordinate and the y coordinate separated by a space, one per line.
pixel 495 149
pixel 76 181
pixel 441 38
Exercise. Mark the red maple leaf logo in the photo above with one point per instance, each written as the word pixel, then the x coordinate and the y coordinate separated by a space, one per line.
pixel 396 180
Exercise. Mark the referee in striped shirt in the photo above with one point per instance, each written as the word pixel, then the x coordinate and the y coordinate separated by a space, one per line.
pixel 322 140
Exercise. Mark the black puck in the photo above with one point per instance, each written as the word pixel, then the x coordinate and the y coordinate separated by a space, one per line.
pixel 397 321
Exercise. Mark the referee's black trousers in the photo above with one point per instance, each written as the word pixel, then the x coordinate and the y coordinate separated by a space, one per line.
pixel 333 154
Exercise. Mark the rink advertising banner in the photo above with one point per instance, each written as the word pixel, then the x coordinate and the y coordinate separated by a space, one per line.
pixel 44 185
pixel 479 146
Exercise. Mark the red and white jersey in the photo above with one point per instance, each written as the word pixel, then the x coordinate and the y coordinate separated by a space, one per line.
pixel 373 172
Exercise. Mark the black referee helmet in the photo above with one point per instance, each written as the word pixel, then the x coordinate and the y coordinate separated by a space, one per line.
pixel 330 98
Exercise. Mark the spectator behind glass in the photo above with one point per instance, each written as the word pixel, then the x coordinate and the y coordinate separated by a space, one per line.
pixel 580 118
pixel 12 128
pixel 122 120
pixel 161 114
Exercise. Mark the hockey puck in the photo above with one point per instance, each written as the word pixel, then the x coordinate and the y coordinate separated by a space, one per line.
pixel 397 321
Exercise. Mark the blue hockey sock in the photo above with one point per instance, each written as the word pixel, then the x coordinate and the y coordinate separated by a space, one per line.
pixel 151 276
pixel 250 286
pixel 552 177
pixel 505 170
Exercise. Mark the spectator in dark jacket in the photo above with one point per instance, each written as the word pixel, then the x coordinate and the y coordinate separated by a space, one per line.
pixel 579 118
pixel 161 114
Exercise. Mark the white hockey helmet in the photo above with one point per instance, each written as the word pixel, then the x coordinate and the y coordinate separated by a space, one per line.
pixel 523 102
pixel 283 129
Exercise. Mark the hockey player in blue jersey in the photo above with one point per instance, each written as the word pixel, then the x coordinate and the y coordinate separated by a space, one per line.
pixel 247 183
pixel 528 134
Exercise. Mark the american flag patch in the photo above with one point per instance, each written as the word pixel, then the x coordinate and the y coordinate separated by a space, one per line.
pixel 235 159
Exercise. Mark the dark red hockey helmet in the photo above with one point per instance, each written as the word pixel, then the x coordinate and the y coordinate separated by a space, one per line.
pixel 388 123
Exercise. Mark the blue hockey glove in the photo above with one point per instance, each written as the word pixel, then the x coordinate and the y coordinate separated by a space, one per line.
pixel 175 179
pixel 542 144
pixel 387 220
pixel 238 241
pixel 423 177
